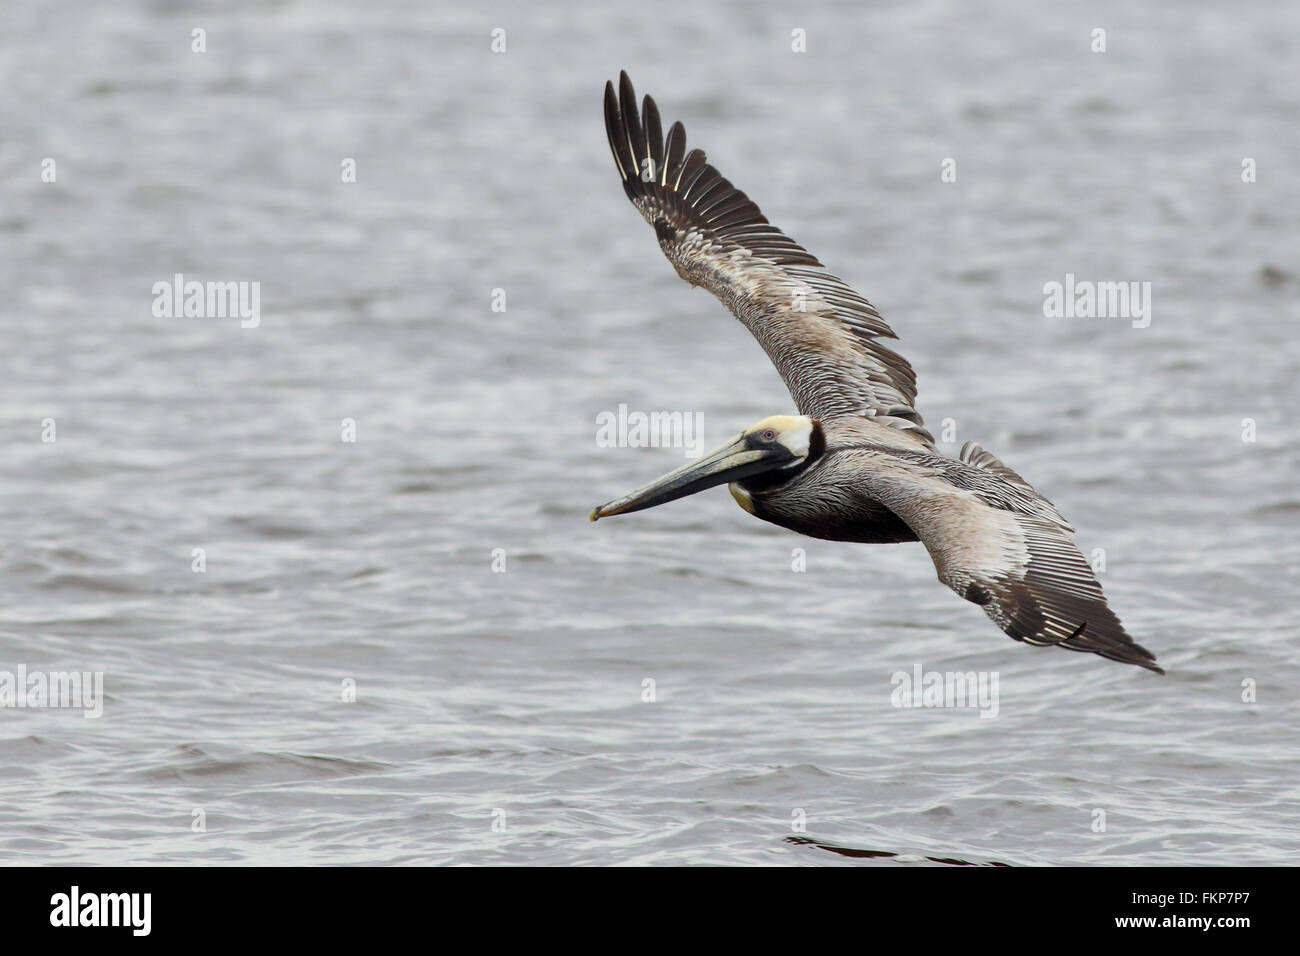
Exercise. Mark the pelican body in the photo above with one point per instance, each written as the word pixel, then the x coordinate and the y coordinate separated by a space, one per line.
pixel 856 463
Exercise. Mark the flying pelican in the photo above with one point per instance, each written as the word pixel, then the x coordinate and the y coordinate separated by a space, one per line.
pixel 856 463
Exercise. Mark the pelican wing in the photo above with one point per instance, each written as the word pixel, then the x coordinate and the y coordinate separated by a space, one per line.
pixel 819 333
pixel 1001 545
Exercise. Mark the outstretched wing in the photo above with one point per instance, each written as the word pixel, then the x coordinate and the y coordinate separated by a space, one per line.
pixel 819 333
pixel 1001 545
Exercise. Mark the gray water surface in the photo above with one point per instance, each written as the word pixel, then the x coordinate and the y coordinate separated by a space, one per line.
pixel 521 691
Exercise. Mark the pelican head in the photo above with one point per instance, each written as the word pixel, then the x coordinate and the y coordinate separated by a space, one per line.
pixel 778 443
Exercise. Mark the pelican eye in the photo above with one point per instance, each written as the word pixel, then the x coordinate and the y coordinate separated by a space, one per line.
pixel 768 434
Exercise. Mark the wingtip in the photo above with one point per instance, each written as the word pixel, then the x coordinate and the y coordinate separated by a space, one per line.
pixel 1150 663
pixel 1143 658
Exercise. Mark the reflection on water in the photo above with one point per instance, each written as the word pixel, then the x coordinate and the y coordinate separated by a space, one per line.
pixel 857 853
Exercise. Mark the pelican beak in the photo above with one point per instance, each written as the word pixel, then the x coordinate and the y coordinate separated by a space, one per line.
pixel 731 462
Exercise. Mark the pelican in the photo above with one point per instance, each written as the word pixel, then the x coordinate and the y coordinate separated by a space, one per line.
pixel 856 463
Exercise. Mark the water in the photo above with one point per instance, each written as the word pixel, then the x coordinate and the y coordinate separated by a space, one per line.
pixel 371 561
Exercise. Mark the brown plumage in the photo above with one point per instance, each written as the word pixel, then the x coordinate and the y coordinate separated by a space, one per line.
pixel 857 463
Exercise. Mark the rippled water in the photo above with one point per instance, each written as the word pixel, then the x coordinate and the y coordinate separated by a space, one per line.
pixel 521 692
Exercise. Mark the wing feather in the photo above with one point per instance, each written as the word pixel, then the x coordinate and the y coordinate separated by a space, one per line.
pixel 999 544
pixel 654 135
pixel 819 333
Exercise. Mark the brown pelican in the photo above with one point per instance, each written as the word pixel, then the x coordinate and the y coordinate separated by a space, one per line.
pixel 856 463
